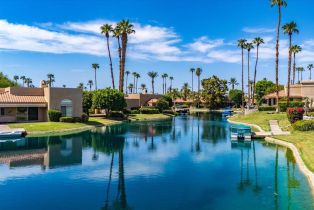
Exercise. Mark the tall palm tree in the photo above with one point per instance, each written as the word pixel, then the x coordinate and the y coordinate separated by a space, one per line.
pixel 16 78
pixel 81 85
pixel 64 86
pixel 28 81
pixel 299 70
pixel 131 87
pixel 279 4
pixel 126 81
pixel 295 49
pixel 185 91
pixel 198 73
pixel 106 29
pixel 23 78
pixel 95 66
pixel 241 44
pixel 290 28
pixel 143 87
pixel 134 81
pixel 117 34
pixel 233 82
pixel 257 41
pixel 248 47
pixel 166 76
pixel 90 84
pixel 192 70
pixel 153 75
pixel 126 29
pixel 137 76
pixel 163 83
pixel 171 79
pixel 309 67
pixel 50 79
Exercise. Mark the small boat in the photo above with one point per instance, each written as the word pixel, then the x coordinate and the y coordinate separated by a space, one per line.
pixel 12 134
pixel 241 132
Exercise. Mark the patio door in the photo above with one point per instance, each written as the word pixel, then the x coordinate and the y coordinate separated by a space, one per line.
pixel 32 113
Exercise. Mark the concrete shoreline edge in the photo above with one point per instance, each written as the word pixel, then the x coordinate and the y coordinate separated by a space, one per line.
pixel 303 168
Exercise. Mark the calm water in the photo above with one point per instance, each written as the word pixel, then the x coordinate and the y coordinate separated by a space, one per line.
pixel 186 163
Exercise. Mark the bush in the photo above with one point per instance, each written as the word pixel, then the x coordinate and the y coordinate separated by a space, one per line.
pixel 117 114
pixel 109 99
pixel 162 104
pixel 67 119
pixel 54 115
pixel 295 114
pixel 84 118
pixel 169 111
pixel 266 108
pixel 283 105
pixel 135 111
pixel 304 125
pixel 149 110
pixel 77 119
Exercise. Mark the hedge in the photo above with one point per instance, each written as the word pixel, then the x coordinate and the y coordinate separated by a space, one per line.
pixel 283 105
pixel 295 114
pixel 304 125
pixel 67 119
pixel 149 110
pixel 54 115
pixel 84 118
pixel 266 108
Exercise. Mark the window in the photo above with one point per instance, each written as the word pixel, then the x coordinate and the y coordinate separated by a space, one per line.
pixel 66 108
pixel 2 112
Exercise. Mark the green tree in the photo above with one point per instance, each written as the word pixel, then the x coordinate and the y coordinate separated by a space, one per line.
pixel 214 92
pixel 279 4
pixel 87 101
pixel 257 41
pixel 143 87
pixel 300 70
pixel 235 96
pixel 137 76
pixel 90 84
pixel 295 50
pixel 185 91
pixel 106 29
pixel 23 78
pixel 233 82
pixel 16 78
pixel 192 70
pixel 5 81
pixel 131 87
pixel 171 78
pixel 134 81
pixel 162 104
pixel 248 47
pixel 95 66
pixel 81 85
pixel 126 81
pixel 28 82
pixel 242 44
pixel 109 100
pixel 309 67
pixel 153 75
pixel 290 28
pixel 262 88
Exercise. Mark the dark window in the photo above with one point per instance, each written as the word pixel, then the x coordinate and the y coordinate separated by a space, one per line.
pixel 32 113
pixel 2 111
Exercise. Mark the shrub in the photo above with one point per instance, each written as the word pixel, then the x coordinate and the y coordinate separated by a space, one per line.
pixel 266 108
pixel 135 111
pixel 295 114
pixel 169 111
pixel 54 115
pixel 109 99
pixel 304 125
pixel 310 114
pixel 149 110
pixel 117 114
pixel 67 119
pixel 77 119
pixel 283 105
pixel 84 118
pixel 162 104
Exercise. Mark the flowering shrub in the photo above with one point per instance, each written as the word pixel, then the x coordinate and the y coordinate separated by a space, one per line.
pixel 295 114
pixel 304 125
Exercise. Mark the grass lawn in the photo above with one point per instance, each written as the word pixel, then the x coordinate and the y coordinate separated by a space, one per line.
pixel 304 141
pixel 148 116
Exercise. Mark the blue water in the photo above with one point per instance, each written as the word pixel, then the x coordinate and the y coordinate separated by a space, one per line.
pixel 187 163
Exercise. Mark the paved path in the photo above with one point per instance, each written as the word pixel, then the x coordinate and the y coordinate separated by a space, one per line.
pixel 4 128
pixel 275 129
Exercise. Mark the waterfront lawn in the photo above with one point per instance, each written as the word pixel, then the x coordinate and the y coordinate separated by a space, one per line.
pixel 148 116
pixel 262 119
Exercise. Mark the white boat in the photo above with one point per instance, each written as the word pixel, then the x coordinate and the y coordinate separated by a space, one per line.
pixel 12 133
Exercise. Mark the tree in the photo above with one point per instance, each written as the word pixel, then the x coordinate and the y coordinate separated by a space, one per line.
pixel 248 47
pixel 28 81
pixel 153 75
pixel 300 70
pixel 262 88
pixel 233 81
pixel 171 79
pixel 95 66
pixel 126 81
pixel 279 4
pixel 162 104
pixel 309 67
pixel 81 85
pixel 131 88
pixel 106 29
pixel 295 49
pixel 23 78
pixel 257 41
pixel 192 70
pixel 185 91
pixel 143 87
pixel 87 101
pixel 289 29
pixel 166 76
pixel 126 29
pixel 241 44
pixel 214 92
pixel 16 78
pixel 134 81
pixel 109 100
pixel 5 81
pixel 90 84
pixel 51 78
pixel 137 76
pixel 235 96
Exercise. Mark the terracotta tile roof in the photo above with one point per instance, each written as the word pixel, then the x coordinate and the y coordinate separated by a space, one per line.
pixel 8 98
pixel 282 94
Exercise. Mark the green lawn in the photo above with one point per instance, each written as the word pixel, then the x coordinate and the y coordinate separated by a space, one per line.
pixel 148 116
pixel 304 141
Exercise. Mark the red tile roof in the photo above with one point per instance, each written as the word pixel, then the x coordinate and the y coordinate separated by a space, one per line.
pixel 8 98
pixel 282 94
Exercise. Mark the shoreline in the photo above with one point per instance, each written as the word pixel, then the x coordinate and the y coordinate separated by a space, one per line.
pixel 303 168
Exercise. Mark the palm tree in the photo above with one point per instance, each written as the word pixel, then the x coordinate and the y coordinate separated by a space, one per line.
pixel 198 73
pixel 295 49
pixel 90 84
pixel 28 81
pixel 95 66
pixel 171 79
pixel 81 85
pixel 241 44
pixel 50 79
pixel 137 76
pixel 126 81
pixel 106 29
pixel 185 91
pixel 23 78
pixel 131 87
pixel 248 47
pixel 166 76
pixel 64 86
pixel 233 81
pixel 289 29
pixel 153 75
pixel 143 87
pixel 117 34
pixel 126 29
pixel 299 70
pixel 309 67
pixel 279 4
pixel 192 70
pixel 163 83
pixel 15 77
pixel 257 41
pixel 134 81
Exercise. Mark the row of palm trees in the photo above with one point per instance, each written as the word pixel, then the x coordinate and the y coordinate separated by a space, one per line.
pixel 25 80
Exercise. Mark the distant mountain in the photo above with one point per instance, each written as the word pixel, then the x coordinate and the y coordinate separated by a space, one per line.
pixel 5 81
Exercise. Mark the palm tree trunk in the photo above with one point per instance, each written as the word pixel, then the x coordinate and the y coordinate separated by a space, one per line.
pixel 232 86
pixel 289 70
pixel 134 84
pixel 248 79
pixel 310 74
pixel 293 73
pixel 192 81
pixel 242 80
pixel 165 85
pixel 95 80
pixel 110 63
pixel 277 58
pixel 124 39
pixel 298 76
pixel 126 84
pixel 120 58
pixel 153 86
pixel 255 72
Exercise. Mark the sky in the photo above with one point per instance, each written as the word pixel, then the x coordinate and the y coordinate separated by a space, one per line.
pixel 62 37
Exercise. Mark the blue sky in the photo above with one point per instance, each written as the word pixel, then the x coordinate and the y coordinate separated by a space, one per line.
pixel 62 37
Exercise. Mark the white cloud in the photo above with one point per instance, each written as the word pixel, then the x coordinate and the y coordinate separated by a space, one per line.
pixel 258 30
pixel 203 44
